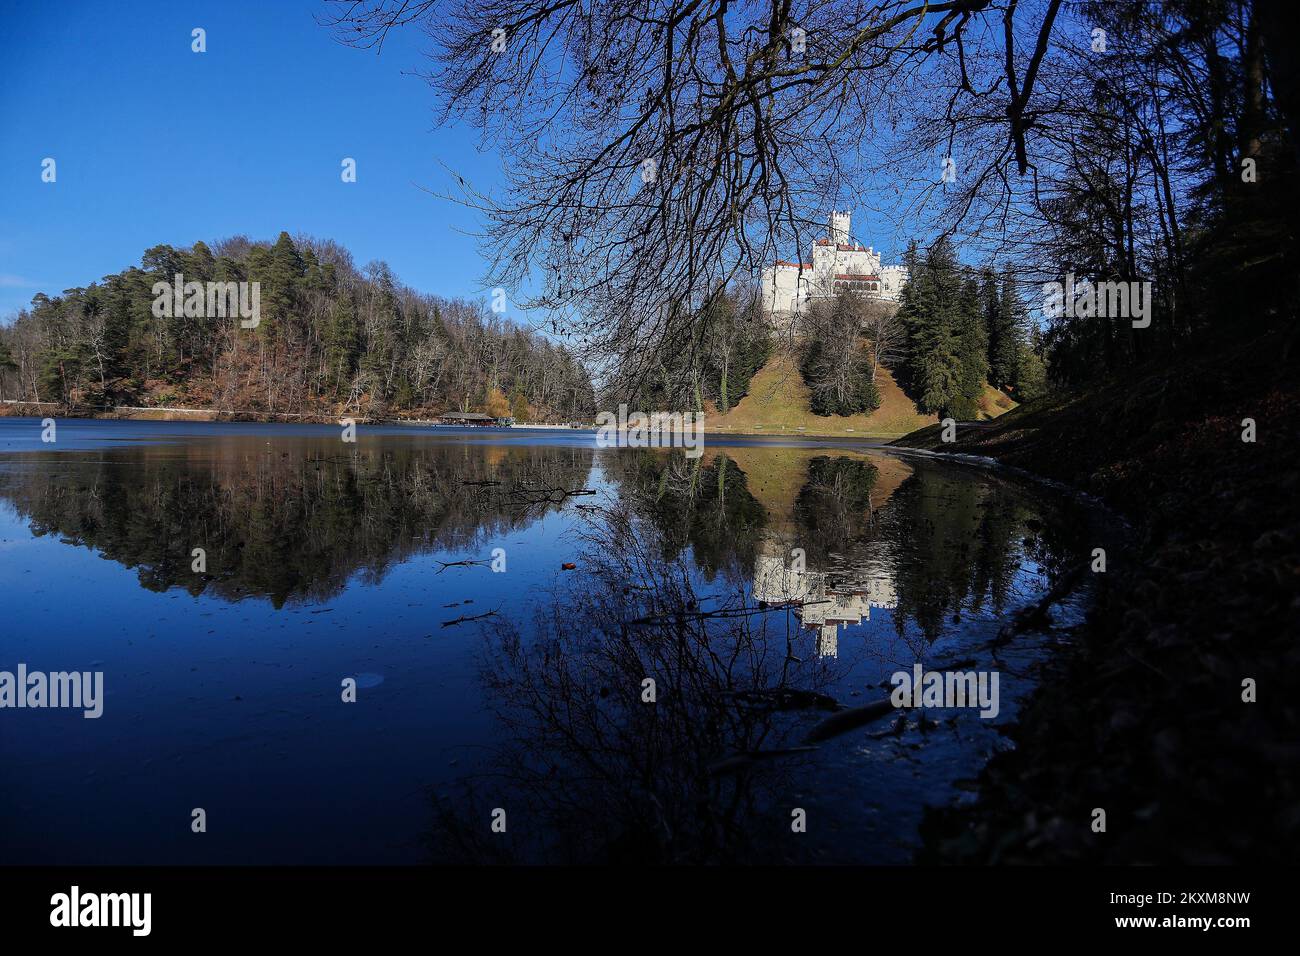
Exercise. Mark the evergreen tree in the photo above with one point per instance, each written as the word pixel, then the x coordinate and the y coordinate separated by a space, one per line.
pixel 1006 321
pixel 931 313
pixel 1031 381
pixel 972 351
pixel 342 343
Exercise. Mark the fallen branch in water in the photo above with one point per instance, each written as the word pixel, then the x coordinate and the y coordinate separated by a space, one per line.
pixel 554 496
pixel 466 620
pixel 847 720
pixel 460 564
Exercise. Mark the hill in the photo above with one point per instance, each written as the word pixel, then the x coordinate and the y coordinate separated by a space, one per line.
pixel 778 403
pixel 289 329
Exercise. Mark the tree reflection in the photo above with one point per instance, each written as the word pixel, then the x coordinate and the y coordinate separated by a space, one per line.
pixel 588 769
pixel 285 525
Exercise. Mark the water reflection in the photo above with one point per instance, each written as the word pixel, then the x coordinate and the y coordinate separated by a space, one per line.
pixel 289 525
pixel 760 589
pixel 730 610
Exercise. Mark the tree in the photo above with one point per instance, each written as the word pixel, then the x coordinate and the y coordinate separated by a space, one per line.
pixel 519 406
pixel 929 311
pixel 496 404
pixel 972 352
pixel 1032 380
pixel 739 344
pixel 836 365
pixel 886 333
pixel 1005 317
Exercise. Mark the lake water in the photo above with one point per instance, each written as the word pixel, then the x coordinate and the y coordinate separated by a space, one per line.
pixel 757 586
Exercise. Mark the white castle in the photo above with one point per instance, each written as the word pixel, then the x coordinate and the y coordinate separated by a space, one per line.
pixel 789 288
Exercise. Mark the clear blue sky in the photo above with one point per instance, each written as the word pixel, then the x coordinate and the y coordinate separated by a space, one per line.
pixel 158 144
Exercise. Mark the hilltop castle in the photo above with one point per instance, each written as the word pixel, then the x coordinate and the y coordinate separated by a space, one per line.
pixel 789 288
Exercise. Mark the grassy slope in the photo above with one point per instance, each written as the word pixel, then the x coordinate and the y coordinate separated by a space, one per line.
pixel 1143 716
pixel 778 404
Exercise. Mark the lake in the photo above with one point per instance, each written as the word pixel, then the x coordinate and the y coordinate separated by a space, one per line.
pixel 498 606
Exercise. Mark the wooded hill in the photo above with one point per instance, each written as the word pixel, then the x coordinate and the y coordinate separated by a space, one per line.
pixel 331 339
pixel 959 344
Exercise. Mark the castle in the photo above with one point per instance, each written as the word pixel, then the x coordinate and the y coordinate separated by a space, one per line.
pixel 789 288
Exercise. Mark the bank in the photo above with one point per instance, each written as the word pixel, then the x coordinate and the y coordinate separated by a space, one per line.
pixel 1143 714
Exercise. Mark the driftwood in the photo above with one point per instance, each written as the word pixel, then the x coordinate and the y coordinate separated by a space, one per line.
pixel 553 496
pixel 846 720
pixel 460 564
pixel 466 620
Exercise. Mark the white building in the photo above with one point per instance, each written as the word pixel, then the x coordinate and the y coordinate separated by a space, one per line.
pixel 789 288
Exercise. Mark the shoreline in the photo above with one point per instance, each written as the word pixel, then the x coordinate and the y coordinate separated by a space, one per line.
pixel 1142 712
pixel 10 408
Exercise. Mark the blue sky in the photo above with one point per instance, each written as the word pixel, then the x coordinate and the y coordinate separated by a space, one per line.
pixel 157 144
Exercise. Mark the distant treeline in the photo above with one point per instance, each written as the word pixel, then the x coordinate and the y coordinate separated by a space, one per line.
pixel 329 339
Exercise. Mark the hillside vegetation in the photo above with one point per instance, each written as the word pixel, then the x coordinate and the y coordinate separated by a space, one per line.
pixel 328 338
pixel 779 402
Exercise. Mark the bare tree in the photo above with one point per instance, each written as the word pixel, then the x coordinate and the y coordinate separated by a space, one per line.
pixel 657 150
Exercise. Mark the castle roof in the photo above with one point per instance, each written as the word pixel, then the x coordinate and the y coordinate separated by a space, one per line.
pixel 842 246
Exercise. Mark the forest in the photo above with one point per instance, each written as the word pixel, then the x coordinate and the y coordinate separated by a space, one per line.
pixel 331 339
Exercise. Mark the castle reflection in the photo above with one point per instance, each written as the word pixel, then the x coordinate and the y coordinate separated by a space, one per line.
pixel 824 605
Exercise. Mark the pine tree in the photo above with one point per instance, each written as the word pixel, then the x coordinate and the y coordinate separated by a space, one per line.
pixel 1007 320
pixel 342 343
pixel 279 270
pixel 931 312
pixel 972 352
pixel 1031 380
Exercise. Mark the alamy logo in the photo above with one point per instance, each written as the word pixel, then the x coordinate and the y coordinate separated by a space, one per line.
pixel 76 689
pixel 103 909
pixel 657 429
pixel 1082 299
pixel 212 300
pixel 922 688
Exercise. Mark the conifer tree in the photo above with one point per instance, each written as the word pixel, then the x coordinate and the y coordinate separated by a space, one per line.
pixel 1006 321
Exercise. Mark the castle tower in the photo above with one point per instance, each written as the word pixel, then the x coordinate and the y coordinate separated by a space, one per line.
pixel 840 228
